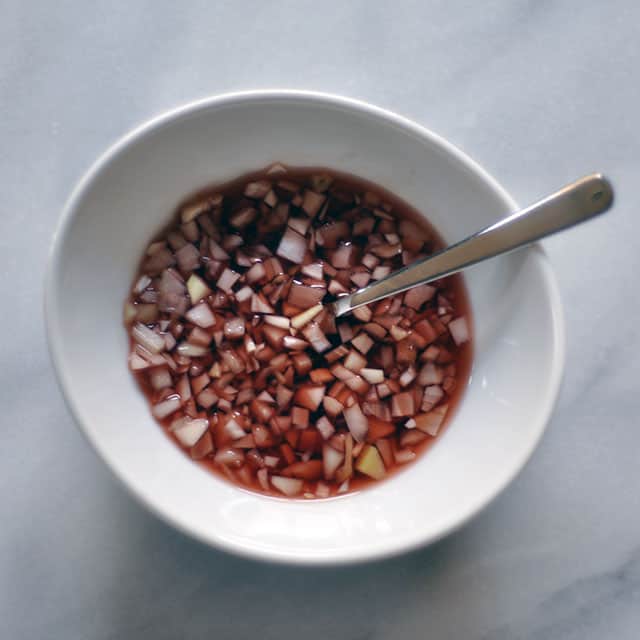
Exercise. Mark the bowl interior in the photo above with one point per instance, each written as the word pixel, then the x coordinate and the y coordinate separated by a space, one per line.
pixel 130 193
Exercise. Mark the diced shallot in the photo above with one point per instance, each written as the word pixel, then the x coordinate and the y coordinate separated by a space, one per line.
pixel 357 422
pixel 459 330
pixel 201 315
pixel 292 246
pixel 314 334
pixel 332 460
pixel 166 407
pixel 288 486
pixel 147 338
pixel 190 431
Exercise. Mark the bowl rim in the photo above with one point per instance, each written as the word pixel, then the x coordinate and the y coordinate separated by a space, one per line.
pixel 54 341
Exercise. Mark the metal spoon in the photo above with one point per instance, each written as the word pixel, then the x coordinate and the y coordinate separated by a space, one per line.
pixel 573 204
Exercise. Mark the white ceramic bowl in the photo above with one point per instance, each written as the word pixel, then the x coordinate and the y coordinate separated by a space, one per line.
pixel 130 192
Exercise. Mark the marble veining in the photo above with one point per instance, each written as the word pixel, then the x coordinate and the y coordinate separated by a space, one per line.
pixel 539 93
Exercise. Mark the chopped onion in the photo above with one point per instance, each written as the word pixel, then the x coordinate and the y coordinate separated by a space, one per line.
pixel 417 296
pixel 166 407
pixel 293 343
pixel 403 456
pixel 292 246
pixel 229 457
pixel 299 321
pixel 402 405
pixel 201 315
pixel 288 486
pixel 325 427
pixel 332 460
pixel 314 334
pixel 227 279
pixel 197 288
pixel 310 396
pixel 259 304
pixel 357 422
pixel 459 330
pixel 147 338
pixel 190 431
pixel 304 297
pixel 432 421
pixel 234 328
pixel 372 376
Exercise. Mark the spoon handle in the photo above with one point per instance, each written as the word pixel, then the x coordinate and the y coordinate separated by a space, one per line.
pixel 573 204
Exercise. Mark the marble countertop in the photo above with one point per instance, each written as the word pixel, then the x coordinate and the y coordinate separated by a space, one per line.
pixel 539 93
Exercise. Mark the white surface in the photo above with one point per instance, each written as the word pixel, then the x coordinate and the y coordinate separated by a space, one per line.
pixel 537 92
pixel 128 195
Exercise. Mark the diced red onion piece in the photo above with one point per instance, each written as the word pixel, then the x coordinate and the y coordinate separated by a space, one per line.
pixel 313 270
pixel 310 396
pixel 361 278
pixel 189 431
pixel 430 374
pixel 234 328
pixel 243 217
pixel 283 396
pixel 233 429
pixel 288 486
pixel 207 398
pixel 403 456
pixel 363 313
pixel 357 422
pixel 432 421
pixel 259 304
pixel 227 279
pixel 322 490
pixel 355 362
pixel 459 330
pixel 188 258
pixel 301 225
pixel 372 376
pixel 417 296
pixel 191 350
pixel 147 338
pixel 201 315
pixel 314 334
pixel 282 322
pixel 263 479
pixel 312 202
pixel 303 296
pixel 344 487
pixel 432 395
pixel 229 457
pixel 292 246
pixel 160 378
pixel 143 282
pixel 407 377
pixel 293 343
pixel 244 294
pixel 331 460
pixel 332 406
pixel 402 405
pixel 300 320
pixel 343 256
pixel 380 272
pixel 197 288
pixel 325 427
pixel 256 273
pixel 166 407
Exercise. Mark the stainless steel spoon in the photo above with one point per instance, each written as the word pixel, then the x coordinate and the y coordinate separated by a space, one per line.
pixel 573 204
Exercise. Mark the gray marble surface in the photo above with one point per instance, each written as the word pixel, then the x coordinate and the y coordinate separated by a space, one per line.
pixel 538 92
